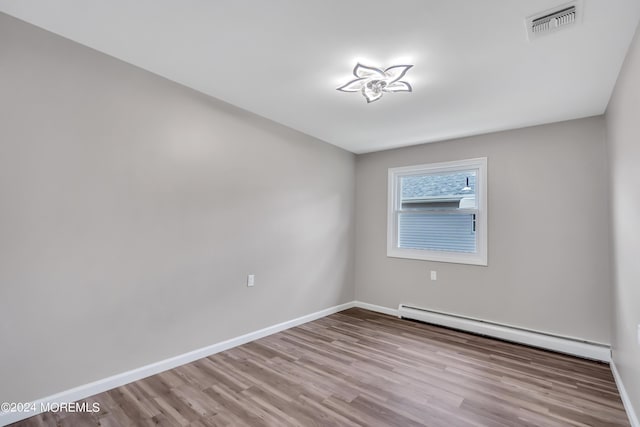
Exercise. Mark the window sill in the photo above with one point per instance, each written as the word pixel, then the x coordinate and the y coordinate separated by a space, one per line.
pixel 438 256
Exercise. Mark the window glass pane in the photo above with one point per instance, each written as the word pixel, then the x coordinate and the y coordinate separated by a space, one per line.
pixel 437 232
pixel 449 190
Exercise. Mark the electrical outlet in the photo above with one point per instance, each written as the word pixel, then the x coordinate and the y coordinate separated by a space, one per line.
pixel 251 278
pixel 638 334
pixel 434 275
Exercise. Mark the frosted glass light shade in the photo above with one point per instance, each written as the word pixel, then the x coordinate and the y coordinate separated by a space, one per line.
pixel 373 82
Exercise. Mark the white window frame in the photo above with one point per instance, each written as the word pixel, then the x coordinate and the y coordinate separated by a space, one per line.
pixel 394 208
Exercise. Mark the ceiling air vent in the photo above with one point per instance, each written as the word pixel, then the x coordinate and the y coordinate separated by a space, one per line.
pixel 550 21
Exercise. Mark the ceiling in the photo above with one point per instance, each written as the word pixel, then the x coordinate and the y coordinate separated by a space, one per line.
pixel 474 69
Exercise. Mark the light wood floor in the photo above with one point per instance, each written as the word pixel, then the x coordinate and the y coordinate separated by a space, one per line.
pixel 359 368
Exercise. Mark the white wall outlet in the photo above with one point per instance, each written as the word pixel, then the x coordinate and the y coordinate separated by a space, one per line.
pixel 434 275
pixel 251 278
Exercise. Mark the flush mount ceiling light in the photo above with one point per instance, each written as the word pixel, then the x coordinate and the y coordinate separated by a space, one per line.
pixel 373 82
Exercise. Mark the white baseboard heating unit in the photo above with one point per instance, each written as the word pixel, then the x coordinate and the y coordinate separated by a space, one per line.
pixel 547 341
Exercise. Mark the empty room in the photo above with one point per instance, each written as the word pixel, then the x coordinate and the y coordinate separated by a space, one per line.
pixel 319 213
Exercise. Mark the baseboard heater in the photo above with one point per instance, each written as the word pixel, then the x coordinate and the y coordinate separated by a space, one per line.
pixel 562 344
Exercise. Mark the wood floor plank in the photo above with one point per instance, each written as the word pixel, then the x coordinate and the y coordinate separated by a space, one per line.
pixel 360 368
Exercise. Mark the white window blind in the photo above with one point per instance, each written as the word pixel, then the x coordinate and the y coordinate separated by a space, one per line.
pixel 438 232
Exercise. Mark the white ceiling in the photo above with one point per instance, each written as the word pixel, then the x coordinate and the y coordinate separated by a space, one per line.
pixel 475 71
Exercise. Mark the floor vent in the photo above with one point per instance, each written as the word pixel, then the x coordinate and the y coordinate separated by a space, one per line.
pixel 554 20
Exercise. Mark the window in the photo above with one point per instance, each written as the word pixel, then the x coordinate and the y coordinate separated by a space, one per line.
pixel 438 212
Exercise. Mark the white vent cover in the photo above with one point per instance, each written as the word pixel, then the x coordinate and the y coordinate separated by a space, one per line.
pixel 553 20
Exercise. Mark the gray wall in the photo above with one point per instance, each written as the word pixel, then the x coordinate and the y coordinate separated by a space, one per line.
pixel 548 232
pixel 623 139
pixel 132 210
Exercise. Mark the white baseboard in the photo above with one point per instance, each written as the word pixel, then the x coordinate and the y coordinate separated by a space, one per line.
pixel 562 344
pixel 626 400
pixel 568 345
pixel 583 349
pixel 87 390
pixel 376 308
